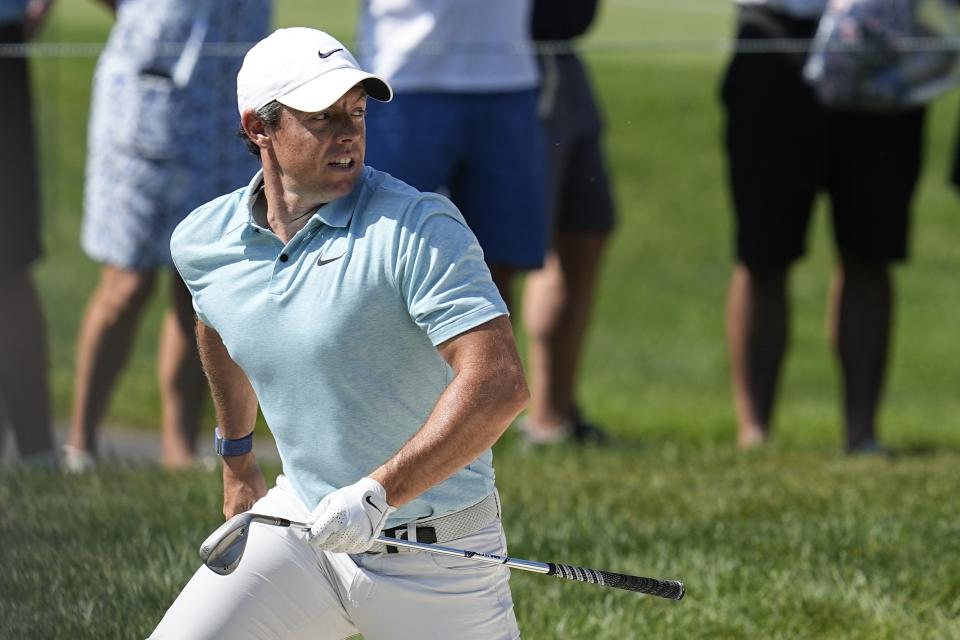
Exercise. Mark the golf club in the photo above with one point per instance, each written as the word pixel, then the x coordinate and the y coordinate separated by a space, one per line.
pixel 223 548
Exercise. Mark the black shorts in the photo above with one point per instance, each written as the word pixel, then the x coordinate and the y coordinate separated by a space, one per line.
pixel 580 198
pixel 783 148
pixel 20 209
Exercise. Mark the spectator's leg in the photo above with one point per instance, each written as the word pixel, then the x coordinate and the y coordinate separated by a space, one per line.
pixel 23 366
pixel 860 321
pixel 757 329
pixel 182 384
pixel 876 163
pixel 103 345
pixel 502 276
pixel 557 300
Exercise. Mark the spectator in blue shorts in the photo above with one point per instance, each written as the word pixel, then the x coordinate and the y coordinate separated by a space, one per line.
pixel 783 148
pixel 557 298
pixel 24 389
pixel 464 119
pixel 160 144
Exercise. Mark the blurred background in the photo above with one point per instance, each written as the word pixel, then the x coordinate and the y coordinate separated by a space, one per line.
pixel 792 541
pixel 655 361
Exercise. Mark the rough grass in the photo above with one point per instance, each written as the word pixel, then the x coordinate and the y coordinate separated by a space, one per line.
pixel 793 542
pixel 799 543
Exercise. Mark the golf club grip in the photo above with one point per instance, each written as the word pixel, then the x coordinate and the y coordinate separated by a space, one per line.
pixel 671 589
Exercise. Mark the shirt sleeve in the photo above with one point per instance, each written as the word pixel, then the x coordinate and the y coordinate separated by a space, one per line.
pixel 442 275
pixel 181 255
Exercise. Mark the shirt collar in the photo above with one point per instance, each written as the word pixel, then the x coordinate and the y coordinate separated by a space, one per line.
pixel 253 190
pixel 333 214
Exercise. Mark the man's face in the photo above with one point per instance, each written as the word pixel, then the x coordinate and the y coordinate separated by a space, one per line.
pixel 320 155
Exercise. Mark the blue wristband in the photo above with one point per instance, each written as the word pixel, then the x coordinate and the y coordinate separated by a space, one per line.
pixel 238 447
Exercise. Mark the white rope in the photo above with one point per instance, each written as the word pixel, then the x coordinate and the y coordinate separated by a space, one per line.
pixel 641 46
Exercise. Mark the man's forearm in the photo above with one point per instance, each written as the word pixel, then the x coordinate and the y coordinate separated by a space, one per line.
pixel 486 394
pixel 235 404
pixel 234 400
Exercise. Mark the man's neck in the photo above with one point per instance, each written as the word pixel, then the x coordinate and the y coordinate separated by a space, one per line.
pixel 286 210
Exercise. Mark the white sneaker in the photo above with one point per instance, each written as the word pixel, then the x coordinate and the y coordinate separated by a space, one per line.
pixel 77 460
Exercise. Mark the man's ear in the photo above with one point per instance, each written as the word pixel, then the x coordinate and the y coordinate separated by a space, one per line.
pixel 255 129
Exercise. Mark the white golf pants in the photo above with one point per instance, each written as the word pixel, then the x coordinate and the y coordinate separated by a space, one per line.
pixel 286 589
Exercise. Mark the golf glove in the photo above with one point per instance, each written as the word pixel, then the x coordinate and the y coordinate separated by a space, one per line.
pixel 348 520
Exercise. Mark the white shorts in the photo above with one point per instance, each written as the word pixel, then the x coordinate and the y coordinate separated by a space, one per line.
pixel 284 588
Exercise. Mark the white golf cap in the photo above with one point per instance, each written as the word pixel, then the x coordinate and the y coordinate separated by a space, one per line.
pixel 303 68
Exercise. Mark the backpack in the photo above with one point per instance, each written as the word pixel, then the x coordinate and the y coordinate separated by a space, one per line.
pixel 884 54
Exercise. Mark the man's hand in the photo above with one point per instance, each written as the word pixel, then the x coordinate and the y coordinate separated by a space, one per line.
pixel 243 484
pixel 350 519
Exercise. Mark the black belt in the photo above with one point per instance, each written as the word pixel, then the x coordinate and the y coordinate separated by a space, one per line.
pixel 424 534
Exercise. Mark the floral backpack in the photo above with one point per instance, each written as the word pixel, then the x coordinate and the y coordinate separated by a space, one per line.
pixel 885 54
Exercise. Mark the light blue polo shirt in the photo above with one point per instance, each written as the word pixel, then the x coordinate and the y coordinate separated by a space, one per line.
pixel 337 330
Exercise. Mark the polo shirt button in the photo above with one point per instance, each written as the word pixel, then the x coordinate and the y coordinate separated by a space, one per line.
pixel 283 257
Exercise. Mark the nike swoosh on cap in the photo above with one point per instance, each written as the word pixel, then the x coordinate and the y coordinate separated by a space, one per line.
pixel 324 56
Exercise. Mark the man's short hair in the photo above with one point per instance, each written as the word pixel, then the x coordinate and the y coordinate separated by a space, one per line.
pixel 269 115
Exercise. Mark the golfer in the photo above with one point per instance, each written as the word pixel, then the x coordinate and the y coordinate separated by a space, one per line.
pixel 358 314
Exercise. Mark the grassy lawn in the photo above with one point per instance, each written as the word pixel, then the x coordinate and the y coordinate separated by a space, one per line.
pixel 787 544
pixel 793 542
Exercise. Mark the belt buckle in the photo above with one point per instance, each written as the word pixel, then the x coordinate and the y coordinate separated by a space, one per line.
pixel 424 534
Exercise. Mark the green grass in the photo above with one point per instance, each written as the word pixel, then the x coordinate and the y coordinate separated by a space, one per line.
pixel 793 542
pixel 786 544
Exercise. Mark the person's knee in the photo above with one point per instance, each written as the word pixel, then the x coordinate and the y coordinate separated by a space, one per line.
pixel 764 278
pixel 123 292
pixel 866 270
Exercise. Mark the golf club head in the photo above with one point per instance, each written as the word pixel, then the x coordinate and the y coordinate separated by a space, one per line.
pixel 222 550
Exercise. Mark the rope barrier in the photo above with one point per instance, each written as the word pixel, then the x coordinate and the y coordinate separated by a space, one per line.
pixel 633 46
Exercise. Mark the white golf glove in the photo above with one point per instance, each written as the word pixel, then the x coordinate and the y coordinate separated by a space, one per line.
pixel 348 520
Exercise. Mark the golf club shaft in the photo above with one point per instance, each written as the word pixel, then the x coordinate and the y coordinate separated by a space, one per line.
pixel 670 589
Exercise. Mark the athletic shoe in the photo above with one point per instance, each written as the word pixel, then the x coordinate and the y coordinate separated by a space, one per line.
pixel 587 433
pixel 576 431
pixel 43 460
pixel 871 448
pixel 77 460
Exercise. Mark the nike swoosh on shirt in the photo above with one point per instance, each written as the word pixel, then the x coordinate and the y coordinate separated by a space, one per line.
pixel 370 502
pixel 326 55
pixel 321 261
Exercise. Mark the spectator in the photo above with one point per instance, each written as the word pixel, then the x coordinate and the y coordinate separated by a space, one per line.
pixel 24 389
pixel 159 145
pixel 782 149
pixel 558 297
pixel 955 169
pixel 465 116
